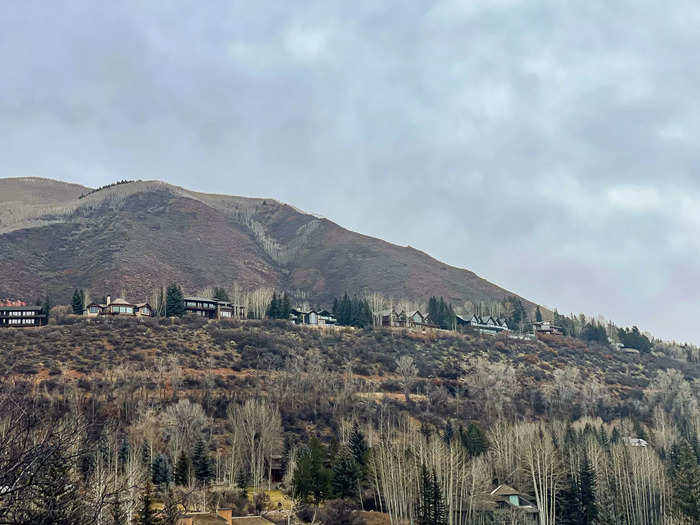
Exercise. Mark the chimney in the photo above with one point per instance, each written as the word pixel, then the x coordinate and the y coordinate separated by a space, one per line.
pixel 109 300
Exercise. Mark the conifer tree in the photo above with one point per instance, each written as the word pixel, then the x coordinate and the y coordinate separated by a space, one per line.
pixel 77 302
pixel 201 462
pixel 345 474
pixel 475 440
pixel 311 480
pixel 685 478
pixel 160 471
pixel 358 446
pixel 538 314
pixel 220 294
pixel 182 470
pixel 174 301
pixel 273 308
pixel 587 492
pixel 285 309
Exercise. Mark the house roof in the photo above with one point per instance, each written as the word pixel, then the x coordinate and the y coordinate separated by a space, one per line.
pixel 19 308
pixel 504 490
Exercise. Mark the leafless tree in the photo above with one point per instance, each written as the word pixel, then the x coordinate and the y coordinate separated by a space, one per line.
pixel 408 373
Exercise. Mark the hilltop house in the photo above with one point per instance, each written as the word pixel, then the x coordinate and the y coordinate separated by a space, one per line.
pixel 403 320
pixel 312 317
pixel 546 327
pixel 118 307
pixel 213 308
pixel 21 315
pixel 485 325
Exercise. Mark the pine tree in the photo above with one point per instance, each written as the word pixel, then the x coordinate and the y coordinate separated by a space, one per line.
pixel 345 474
pixel 475 440
pixel 273 307
pixel 285 309
pixel 569 511
pixel 430 508
pixel 160 471
pixel 311 480
pixel 538 314
pixel 182 470
pixel 358 446
pixel 220 294
pixel 123 454
pixel 146 454
pixel 77 302
pixel 685 479
pixel 242 480
pixel 587 492
pixel 201 462
pixel 449 433
pixel 174 301
pixel 439 516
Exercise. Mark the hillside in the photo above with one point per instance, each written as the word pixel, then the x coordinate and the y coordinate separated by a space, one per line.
pixel 137 236
pixel 457 375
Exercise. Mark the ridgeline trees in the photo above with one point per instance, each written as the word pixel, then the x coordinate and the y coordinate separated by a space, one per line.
pixel 352 312
pixel 633 338
pixel 441 313
pixel 279 307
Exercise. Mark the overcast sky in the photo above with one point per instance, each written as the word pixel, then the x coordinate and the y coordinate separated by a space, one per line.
pixel 551 147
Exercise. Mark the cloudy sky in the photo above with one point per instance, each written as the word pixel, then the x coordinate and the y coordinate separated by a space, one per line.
pixel 551 147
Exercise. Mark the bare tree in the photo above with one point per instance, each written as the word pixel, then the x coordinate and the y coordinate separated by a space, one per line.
pixel 408 372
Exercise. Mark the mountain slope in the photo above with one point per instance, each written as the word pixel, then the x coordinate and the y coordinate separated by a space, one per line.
pixel 133 237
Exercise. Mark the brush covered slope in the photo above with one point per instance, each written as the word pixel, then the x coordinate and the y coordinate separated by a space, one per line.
pixel 136 236
pixel 313 374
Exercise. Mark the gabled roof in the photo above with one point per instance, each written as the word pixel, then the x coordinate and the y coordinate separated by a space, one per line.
pixel 504 490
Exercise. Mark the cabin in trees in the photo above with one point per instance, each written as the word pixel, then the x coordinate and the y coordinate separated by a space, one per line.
pixel 213 308
pixel 21 315
pixel 120 307
pixel 482 324
pixel 312 317
pixel 546 327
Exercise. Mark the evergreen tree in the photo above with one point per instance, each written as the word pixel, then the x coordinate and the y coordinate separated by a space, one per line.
pixel 311 480
pixel 449 433
pixel 201 463
pixel 475 440
pixel 77 302
pixel 358 446
pixel 174 301
pixel 160 470
pixel 273 309
pixel 182 470
pixel 220 294
pixel 243 480
pixel 538 314
pixel 345 475
pixel 285 308
pixel 685 478
pixel 430 508
pixel 146 514
pixel 587 492
pixel 123 454
pixel 146 454
pixel 569 507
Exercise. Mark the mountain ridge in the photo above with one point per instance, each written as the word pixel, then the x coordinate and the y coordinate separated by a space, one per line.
pixel 139 234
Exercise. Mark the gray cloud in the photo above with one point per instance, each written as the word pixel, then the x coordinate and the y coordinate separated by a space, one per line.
pixel 547 146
